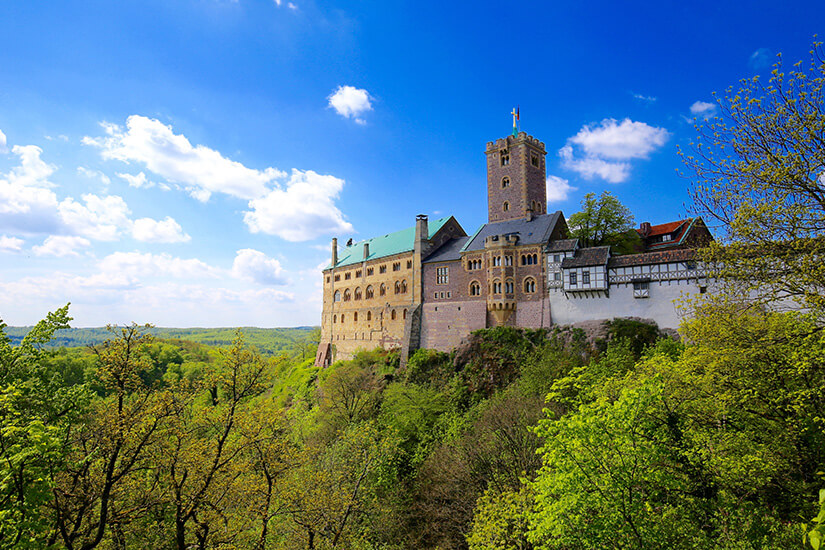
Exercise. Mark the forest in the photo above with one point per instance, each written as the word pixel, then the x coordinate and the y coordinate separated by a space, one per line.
pixel 622 438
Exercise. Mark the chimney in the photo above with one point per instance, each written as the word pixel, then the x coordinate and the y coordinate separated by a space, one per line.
pixel 529 215
pixel 334 251
pixel 422 232
pixel 644 229
pixel 366 250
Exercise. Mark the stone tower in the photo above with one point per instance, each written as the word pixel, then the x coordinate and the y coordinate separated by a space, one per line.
pixel 516 181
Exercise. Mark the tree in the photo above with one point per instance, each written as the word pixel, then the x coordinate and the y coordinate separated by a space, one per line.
pixel 602 221
pixel 758 172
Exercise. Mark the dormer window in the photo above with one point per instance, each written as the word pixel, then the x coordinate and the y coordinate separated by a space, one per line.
pixel 505 157
pixel 505 182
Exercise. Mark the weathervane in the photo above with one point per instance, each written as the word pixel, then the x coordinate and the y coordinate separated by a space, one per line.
pixel 516 118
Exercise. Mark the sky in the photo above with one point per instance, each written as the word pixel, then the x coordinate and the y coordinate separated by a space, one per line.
pixel 186 163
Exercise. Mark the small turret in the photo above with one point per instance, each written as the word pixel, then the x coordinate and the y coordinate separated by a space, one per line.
pixel 334 251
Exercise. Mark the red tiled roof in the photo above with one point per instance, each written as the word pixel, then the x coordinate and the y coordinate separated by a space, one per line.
pixel 663 228
pixel 652 258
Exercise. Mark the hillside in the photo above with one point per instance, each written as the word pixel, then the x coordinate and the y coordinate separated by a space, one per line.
pixel 269 341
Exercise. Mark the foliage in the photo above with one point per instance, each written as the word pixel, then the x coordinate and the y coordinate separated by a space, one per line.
pixel 602 221
pixel 758 172
pixel 500 520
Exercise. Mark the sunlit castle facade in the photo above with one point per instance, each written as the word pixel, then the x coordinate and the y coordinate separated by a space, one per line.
pixel 430 285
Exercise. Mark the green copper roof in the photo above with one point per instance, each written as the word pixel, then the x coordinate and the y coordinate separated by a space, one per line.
pixel 388 245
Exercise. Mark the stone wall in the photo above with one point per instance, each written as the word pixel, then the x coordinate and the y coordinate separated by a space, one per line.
pixel 444 325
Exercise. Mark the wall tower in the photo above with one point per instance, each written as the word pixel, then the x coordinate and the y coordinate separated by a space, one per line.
pixel 516 177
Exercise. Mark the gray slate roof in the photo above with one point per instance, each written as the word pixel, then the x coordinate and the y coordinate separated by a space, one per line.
pixel 598 255
pixel 562 245
pixel 448 252
pixel 536 231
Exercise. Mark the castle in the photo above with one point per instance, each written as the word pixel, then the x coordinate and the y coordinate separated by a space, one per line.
pixel 430 285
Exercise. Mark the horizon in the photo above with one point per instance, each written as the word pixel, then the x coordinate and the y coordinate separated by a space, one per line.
pixel 189 163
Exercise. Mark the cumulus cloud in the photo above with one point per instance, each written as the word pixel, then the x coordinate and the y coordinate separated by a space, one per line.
pixel 301 211
pixel 603 150
pixel 255 266
pixel 351 102
pixel 61 246
pixel 703 109
pixel 94 174
pixel 99 218
pixel 10 244
pixel 3 147
pixel 558 189
pixel 154 231
pixel 137 265
pixel 197 168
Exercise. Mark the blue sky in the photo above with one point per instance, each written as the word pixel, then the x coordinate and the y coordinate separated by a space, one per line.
pixel 185 163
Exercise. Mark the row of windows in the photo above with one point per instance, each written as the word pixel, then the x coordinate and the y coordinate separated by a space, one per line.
pixel 504 158
pixel 529 259
pixel 534 206
pixel 396 266
pixel 393 316
pixel 574 278
pixel 369 292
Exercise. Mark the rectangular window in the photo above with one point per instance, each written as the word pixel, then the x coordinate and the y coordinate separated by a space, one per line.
pixel 382 269
pixel 409 264
pixel 557 276
pixel 358 274
pixel 347 276
pixel 396 266
pixel 586 277
pixel 337 277
pixel 534 159
pixel 572 278
pixel 556 258
pixel 369 271
pixel 641 289
pixel 442 275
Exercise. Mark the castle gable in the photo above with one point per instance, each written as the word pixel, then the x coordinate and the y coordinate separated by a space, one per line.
pixel 537 230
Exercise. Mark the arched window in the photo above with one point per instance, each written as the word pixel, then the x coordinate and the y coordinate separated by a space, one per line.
pixel 496 287
pixel 533 206
pixel 368 293
pixel 404 314
pixel 404 286
pixel 355 318
pixel 398 287
pixel 505 206
pixel 535 259
pixel 505 182
pixel 347 295
pixel 529 285
pixel 334 318
pixel 358 293
pixel 540 208
pixel 382 290
pixel 342 318
pixel 369 316
pixel 337 297
pixel 392 315
pixel 475 289
pixel 508 286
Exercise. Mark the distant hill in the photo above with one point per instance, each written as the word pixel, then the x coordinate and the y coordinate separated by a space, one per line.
pixel 269 340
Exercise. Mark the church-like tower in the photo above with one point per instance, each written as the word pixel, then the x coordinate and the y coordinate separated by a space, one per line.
pixel 516 177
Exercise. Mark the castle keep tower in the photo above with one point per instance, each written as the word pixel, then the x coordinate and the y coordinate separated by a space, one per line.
pixel 516 178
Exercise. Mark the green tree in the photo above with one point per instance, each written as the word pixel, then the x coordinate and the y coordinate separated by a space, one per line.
pixel 757 172
pixel 602 221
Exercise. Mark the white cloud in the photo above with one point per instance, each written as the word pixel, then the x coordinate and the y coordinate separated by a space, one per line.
pixel 558 189
pixel 703 109
pixel 302 211
pixel 61 246
pixel 255 266
pixel 197 168
pixel 3 148
pixel 642 97
pixel 621 141
pixel 603 150
pixel 94 174
pixel 154 231
pixel 10 244
pixel 138 181
pixel 760 59
pixel 100 218
pixel 351 102
pixel 136 265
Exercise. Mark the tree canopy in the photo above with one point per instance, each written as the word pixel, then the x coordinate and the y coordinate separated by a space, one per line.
pixel 602 221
